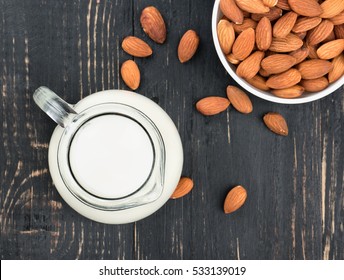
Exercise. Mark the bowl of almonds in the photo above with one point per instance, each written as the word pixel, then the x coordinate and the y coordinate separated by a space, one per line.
pixel 284 51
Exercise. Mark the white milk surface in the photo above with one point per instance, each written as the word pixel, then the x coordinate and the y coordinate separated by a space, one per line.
pixel 111 156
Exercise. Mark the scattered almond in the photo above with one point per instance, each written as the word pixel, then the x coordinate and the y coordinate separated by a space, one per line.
pixel 306 23
pixel 314 68
pixel 244 44
pixel 284 25
pixel 291 92
pixel 284 80
pixel 278 63
pixel 188 46
pixel 239 99
pixel 131 74
pixel 320 33
pixel 264 34
pixel 248 68
pixel 226 35
pixel 287 44
pixel 276 123
pixel 212 105
pixel 235 198
pixel 153 24
pixel 308 8
pixel 230 9
pixel 136 47
pixel 331 49
pixel 184 186
pixel 315 85
pixel 337 70
pixel 331 8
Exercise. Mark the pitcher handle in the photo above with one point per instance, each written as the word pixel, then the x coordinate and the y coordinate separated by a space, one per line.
pixel 53 105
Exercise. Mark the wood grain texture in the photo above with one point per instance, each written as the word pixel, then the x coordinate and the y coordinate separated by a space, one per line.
pixel 295 205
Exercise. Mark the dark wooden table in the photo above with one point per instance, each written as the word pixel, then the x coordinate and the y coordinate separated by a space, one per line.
pixel 295 205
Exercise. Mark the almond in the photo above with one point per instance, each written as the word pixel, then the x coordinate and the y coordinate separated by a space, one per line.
pixel 232 59
pixel 184 186
pixel 301 35
pixel 283 4
pixel 308 8
pixel 300 54
pixel 248 68
pixel 235 198
pixel 338 19
pixel 314 68
pixel 330 37
pixel 247 23
pixel 315 85
pixel 239 99
pixel 339 31
pixel 252 6
pixel 153 24
pixel 272 15
pixel 212 105
pixel 188 46
pixel 244 43
pixel 258 82
pixel 291 92
pixel 264 34
pixel 331 8
pixel 306 23
pixel 276 123
pixel 226 35
pixel 270 3
pixel 131 74
pixel 331 49
pixel 230 9
pixel 312 51
pixel 278 63
pixel 264 73
pixel 136 47
pixel 284 80
pixel 287 44
pixel 284 25
pixel 320 33
pixel 338 69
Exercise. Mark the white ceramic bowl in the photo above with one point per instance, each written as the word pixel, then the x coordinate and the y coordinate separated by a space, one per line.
pixel 306 97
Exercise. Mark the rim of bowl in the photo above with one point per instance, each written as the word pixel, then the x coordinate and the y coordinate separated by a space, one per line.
pixel 308 97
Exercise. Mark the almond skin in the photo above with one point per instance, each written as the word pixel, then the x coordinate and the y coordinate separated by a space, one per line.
pixel 153 24
pixel 226 35
pixel 308 8
pixel 314 68
pixel 278 63
pixel 258 82
pixel 244 44
pixel 212 105
pixel 292 92
pixel 312 51
pixel 235 198
pixel 247 23
pixel 284 80
pixel 338 69
pixel 239 99
pixel 284 25
pixel 283 4
pixel 300 54
pixel 252 6
pixel 136 47
pixel 338 19
pixel 250 66
pixel 272 15
pixel 188 46
pixel 331 49
pixel 306 23
pixel 288 44
pixel 230 9
pixel 232 59
pixel 331 8
pixel 270 3
pixel 264 34
pixel 131 74
pixel 314 85
pixel 320 33
pixel 339 31
pixel 184 186
pixel 276 123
